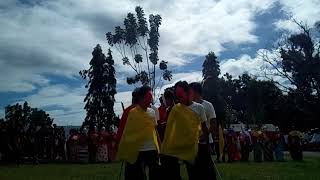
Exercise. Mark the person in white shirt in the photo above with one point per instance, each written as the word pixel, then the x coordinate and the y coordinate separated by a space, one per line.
pixel 139 146
pixel 204 162
pixel 149 145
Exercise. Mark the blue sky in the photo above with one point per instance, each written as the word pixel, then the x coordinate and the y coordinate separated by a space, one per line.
pixel 44 44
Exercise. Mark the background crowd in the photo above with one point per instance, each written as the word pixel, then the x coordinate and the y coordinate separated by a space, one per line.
pixel 50 143
pixel 264 145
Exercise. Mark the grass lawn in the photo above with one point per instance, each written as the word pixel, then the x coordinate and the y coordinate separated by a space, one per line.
pixel 309 169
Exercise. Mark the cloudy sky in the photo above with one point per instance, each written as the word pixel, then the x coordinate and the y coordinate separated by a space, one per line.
pixel 44 44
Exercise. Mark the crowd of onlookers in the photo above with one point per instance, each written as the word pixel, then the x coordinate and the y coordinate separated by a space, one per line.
pixel 91 145
pixel 19 144
pixel 263 145
pixel 50 143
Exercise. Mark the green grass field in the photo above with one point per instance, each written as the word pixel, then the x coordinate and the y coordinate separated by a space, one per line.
pixel 309 169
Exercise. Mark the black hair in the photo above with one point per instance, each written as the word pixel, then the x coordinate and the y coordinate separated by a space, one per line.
pixel 183 84
pixel 160 100
pixel 197 87
pixel 135 96
pixel 143 91
pixel 168 93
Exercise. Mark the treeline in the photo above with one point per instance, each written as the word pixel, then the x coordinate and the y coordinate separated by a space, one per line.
pixel 253 100
pixel 20 117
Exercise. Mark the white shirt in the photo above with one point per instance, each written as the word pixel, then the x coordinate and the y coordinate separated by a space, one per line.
pixel 157 115
pixel 199 110
pixel 209 110
pixel 210 114
pixel 149 144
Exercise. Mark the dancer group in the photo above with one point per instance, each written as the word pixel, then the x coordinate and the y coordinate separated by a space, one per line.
pixel 154 142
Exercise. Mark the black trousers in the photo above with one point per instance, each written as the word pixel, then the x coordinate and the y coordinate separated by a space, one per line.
pixel 92 150
pixel 217 149
pixel 202 168
pixel 137 171
pixel 170 168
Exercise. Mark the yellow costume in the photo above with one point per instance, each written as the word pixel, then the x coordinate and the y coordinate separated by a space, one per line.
pixel 182 133
pixel 139 127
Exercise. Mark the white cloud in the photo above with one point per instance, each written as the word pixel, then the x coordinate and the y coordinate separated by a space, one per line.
pixel 237 67
pixel 306 11
pixel 254 66
pixel 193 76
pixel 125 98
pixel 191 27
pixel 57 37
pixel 66 104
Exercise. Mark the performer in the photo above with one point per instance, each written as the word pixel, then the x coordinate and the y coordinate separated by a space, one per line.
pixel 182 134
pixel 204 163
pixel 162 114
pixel 124 118
pixel 168 102
pixel 139 146
pixel 93 144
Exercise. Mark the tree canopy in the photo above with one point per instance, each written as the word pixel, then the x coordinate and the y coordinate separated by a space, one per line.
pixel 101 89
pixel 138 45
pixel 23 116
pixel 258 101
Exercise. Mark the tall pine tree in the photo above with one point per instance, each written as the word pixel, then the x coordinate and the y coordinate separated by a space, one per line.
pixel 101 90
pixel 212 85
pixel 112 82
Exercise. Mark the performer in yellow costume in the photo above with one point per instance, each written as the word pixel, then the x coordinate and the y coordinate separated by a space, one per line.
pixel 182 133
pixel 139 146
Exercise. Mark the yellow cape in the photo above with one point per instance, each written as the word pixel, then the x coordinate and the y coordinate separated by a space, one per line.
pixel 139 127
pixel 182 133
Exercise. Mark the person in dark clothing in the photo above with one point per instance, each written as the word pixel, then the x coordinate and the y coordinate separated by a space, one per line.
pixel 31 144
pixel 245 149
pixel 168 102
pixel 93 144
pixel 18 145
pixel 204 164
pixel 162 121
pixel 257 146
pixel 294 145
pixel 55 139
pixel 268 148
pixel 279 148
pixel 61 146
pixel 5 145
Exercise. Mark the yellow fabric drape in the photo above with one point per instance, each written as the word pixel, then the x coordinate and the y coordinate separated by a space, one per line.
pixel 221 141
pixel 138 129
pixel 182 133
